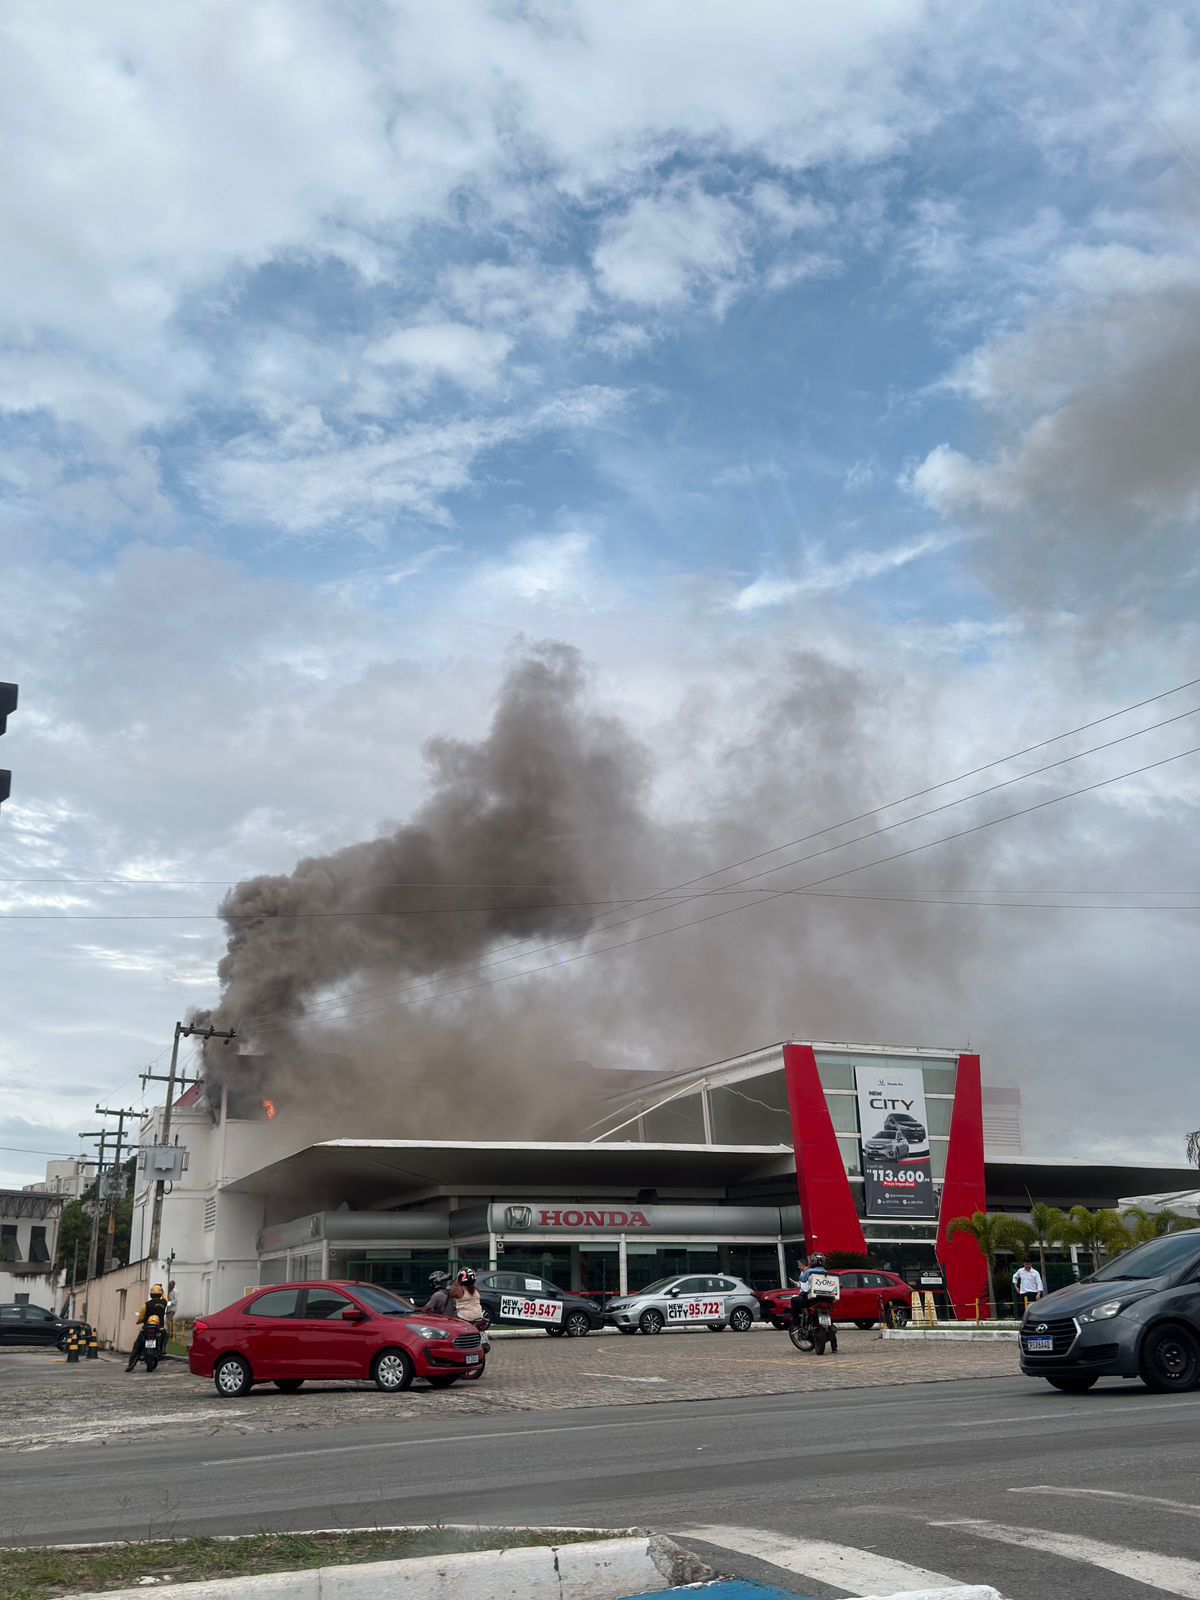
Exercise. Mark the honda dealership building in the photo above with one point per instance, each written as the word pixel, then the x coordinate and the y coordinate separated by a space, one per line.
pixel 736 1167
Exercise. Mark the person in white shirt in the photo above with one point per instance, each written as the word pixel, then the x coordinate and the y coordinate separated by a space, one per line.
pixel 1027 1281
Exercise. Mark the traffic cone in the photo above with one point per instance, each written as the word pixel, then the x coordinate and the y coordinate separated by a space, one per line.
pixel 93 1345
pixel 72 1348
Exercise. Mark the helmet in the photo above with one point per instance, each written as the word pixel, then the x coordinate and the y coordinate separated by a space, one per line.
pixel 152 1320
pixel 467 1276
pixel 156 1292
pixel 817 1260
pixel 438 1280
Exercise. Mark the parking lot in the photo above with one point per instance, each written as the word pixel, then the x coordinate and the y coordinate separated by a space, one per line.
pixel 46 1402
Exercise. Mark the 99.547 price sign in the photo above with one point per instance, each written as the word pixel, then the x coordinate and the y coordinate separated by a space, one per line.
pixel 524 1308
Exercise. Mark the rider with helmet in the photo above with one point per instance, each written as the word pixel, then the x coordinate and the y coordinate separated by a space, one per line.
pixel 155 1306
pixel 442 1301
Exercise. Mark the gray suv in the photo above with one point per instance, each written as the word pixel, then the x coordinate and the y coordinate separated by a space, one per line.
pixel 686 1300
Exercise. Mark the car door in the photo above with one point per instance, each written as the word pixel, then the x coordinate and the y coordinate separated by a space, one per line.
pixel 268 1334
pixel 686 1299
pixel 42 1326
pixel 12 1325
pixel 330 1346
pixel 533 1303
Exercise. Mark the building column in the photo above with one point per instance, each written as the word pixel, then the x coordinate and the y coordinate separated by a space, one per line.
pixel 491 1252
pixel 782 1262
pixel 622 1266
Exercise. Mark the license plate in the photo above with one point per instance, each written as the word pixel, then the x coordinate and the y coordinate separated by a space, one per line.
pixel 1035 1345
pixel 471 1360
pixel 825 1320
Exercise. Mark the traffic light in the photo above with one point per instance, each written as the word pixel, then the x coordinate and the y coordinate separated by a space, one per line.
pixel 8 703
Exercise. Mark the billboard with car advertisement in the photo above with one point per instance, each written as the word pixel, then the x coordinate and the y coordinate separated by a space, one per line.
pixel 894 1131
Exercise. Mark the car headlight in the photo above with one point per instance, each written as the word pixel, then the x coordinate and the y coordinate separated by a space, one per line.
pixel 424 1331
pixel 1110 1308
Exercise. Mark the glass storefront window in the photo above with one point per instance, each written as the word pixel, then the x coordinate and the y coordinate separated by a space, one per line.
pixel 851 1154
pixel 407 1275
pixel 754 1111
pixel 843 1108
pixel 937 1158
pixel 942 1078
pixel 755 1264
pixel 680 1121
pixel 939 1113
pixel 835 1072
pixel 552 1261
pixel 647 1263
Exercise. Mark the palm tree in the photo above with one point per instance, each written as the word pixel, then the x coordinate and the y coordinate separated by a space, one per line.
pixel 1193 1148
pixel 1050 1225
pixel 1147 1225
pixel 1097 1232
pixel 992 1234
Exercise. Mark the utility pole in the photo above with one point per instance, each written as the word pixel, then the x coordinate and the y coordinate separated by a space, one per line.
pixel 182 1031
pixel 115 1182
pixel 102 1135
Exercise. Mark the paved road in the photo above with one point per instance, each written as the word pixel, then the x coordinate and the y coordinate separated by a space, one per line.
pixel 1001 1481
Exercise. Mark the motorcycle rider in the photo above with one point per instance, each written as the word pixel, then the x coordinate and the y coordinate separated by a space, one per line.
pixel 470 1306
pixel 156 1305
pixel 816 1264
pixel 442 1302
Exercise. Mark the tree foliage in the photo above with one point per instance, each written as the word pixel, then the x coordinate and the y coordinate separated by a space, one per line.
pixel 75 1229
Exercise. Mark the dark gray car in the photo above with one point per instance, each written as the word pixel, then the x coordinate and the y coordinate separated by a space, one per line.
pixel 1138 1317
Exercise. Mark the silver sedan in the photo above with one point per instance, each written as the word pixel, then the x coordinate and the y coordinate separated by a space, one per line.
pixel 686 1300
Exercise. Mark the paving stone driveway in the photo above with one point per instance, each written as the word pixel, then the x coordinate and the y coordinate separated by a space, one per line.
pixel 45 1402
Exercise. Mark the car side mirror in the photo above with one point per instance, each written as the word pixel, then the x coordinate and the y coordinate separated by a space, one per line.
pixel 353 1314
pixel 673 1294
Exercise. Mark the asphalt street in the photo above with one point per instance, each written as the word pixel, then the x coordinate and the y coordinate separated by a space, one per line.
pixel 996 1481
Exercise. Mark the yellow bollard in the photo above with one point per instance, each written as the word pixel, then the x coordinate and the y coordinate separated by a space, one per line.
pixel 930 1310
pixel 72 1348
pixel 93 1345
pixel 918 1315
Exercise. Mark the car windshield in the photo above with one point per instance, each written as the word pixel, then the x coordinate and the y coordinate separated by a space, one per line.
pixel 657 1287
pixel 1151 1260
pixel 382 1300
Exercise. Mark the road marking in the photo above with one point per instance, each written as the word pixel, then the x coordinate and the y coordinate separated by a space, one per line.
pixel 1172 1574
pixel 1059 1413
pixel 859 1572
pixel 1180 1506
pixel 620 1377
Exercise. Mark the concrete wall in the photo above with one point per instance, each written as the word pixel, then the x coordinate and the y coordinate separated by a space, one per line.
pixel 39 1286
pixel 113 1302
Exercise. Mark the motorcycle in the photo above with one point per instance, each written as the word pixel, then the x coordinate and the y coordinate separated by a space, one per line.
pixel 812 1327
pixel 152 1348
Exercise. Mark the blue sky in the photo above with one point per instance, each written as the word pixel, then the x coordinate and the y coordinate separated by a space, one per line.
pixel 343 347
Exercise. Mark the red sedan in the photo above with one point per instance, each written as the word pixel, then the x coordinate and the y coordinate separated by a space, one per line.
pixel 868 1296
pixel 292 1332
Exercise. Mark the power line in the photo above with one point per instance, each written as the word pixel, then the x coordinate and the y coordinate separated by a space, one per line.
pixel 930 811
pixel 797 890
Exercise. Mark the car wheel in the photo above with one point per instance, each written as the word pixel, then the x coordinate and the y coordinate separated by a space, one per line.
pixel 392 1370
pixel 899 1316
pixel 578 1325
pixel 1170 1360
pixel 288 1385
pixel 740 1319
pixel 232 1378
pixel 555 1332
pixel 864 1322
pixel 443 1380
pixel 1074 1382
pixel 651 1321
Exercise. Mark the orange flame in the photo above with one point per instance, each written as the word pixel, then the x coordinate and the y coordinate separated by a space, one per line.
pixel 269 1108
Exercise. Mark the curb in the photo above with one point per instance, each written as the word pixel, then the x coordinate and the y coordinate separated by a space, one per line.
pixel 955 1335
pixel 607 1569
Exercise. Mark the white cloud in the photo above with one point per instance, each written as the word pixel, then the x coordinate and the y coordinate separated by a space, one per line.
pixel 832 577
pixel 553 569
pixel 666 246
pixel 471 357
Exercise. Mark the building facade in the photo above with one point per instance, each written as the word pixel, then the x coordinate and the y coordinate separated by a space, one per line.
pixel 28 1237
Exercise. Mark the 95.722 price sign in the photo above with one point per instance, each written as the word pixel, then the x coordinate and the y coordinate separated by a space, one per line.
pixel 522 1308
pixel 696 1311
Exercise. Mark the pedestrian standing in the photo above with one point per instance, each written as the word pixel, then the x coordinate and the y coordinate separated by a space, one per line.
pixel 1027 1281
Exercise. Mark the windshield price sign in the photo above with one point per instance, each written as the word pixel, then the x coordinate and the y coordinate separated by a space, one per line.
pixel 894 1130
pixel 517 1308
pixel 695 1310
